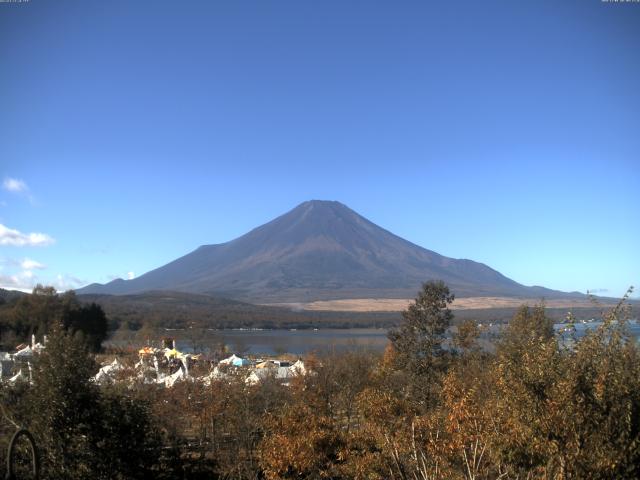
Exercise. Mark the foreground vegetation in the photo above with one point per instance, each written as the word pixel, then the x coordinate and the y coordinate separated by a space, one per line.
pixel 536 407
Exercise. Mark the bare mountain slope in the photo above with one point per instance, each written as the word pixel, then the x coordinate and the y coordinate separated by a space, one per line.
pixel 319 250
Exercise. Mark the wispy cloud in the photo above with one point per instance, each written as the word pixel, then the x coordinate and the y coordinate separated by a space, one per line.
pixel 131 275
pixel 68 282
pixel 19 187
pixel 23 281
pixel 14 185
pixel 9 236
pixel 24 264
pixel 28 264
pixel 23 274
pixel 26 280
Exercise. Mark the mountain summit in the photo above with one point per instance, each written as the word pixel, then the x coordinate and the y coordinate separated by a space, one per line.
pixel 320 250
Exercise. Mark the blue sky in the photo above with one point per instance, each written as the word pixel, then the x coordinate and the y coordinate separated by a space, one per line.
pixel 505 132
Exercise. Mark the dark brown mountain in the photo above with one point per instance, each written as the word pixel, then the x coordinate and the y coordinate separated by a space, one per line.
pixel 9 295
pixel 319 250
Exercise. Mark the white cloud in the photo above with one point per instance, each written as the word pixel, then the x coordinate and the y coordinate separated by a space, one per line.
pixel 14 185
pixel 22 275
pixel 9 236
pixel 24 264
pixel 68 282
pixel 28 264
pixel 23 281
pixel 112 277
pixel 26 280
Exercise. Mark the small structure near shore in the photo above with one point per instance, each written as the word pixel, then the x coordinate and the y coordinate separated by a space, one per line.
pixel 235 361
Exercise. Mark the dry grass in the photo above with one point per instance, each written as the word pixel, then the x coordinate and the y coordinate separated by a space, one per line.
pixel 399 304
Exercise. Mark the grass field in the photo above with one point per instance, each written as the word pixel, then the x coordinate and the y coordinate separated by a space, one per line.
pixel 469 303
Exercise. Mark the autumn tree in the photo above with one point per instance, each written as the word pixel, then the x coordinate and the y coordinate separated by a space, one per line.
pixel 318 433
pixel 568 412
pixel 301 442
pixel 528 323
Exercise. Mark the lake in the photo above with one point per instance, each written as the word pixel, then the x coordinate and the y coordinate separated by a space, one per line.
pixel 302 341
pixel 298 342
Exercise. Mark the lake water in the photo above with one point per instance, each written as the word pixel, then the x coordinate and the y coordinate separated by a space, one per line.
pixel 270 342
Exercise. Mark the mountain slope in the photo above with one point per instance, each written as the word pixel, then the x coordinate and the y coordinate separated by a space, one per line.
pixel 9 295
pixel 318 250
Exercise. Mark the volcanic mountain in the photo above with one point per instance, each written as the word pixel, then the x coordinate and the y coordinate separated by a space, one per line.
pixel 320 250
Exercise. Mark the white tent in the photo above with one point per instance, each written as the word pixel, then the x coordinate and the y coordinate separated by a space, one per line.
pixel 215 374
pixel 298 368
pixel 235 361
pixel 107 373
pixel 18 377
pixel 26 352
pixel 172 379
pixel 144 371
pixel 258 375
pixel 284 373
pixel 185 363
pixel 279 373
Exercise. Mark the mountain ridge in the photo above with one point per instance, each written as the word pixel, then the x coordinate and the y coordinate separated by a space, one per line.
pixel 319 250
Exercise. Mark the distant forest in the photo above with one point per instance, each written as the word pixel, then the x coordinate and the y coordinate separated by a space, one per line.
pixel 180 310
pixel 23 314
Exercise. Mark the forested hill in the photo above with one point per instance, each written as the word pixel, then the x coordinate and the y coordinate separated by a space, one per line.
pixel 179 310
pixel 8 295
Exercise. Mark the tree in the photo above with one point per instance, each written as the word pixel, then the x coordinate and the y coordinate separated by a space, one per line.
pixel 39 312
pixel 81 431
pixel 418 341
pixel 567 412
pixel 465 338
pixel 530 323
pixel 65 406
pixel 129 444
pixel 91 321
pixel 31 314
